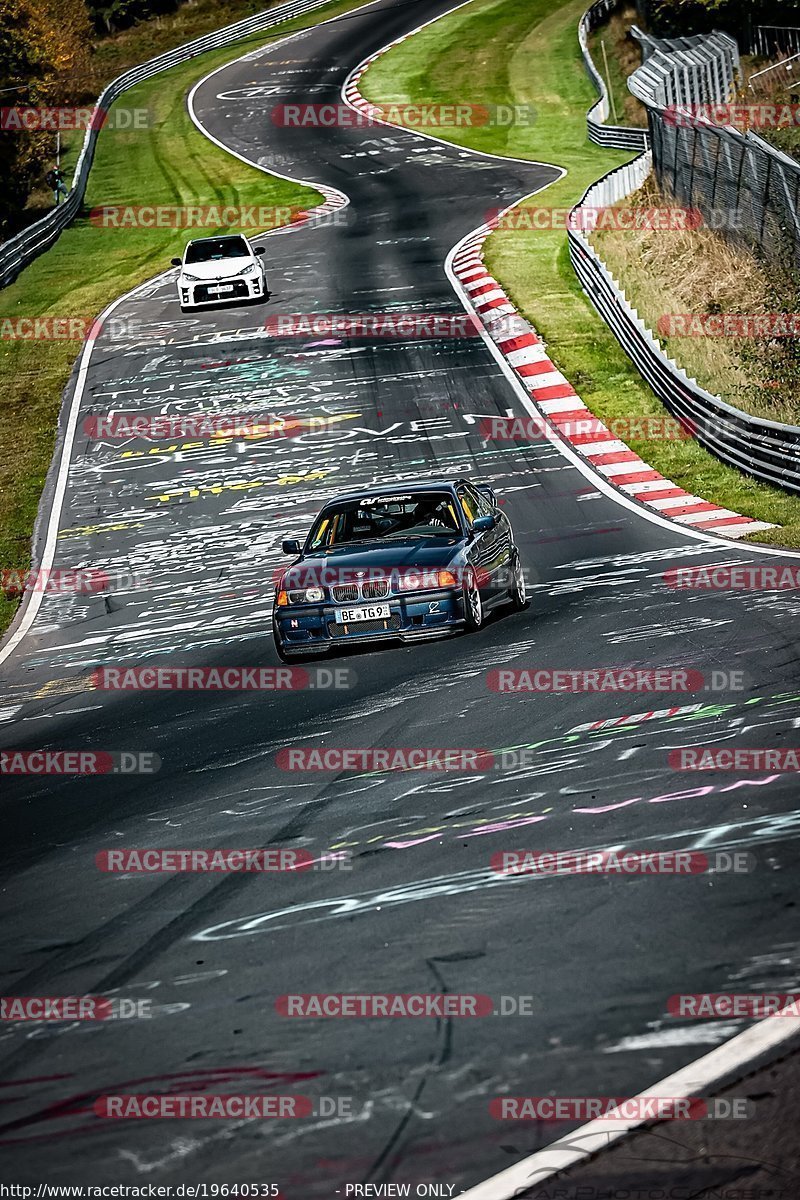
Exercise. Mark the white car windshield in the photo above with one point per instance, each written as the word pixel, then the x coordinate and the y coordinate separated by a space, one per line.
pixel 209 249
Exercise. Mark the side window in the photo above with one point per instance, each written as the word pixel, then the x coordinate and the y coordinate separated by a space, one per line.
pixel 468 503
pixel 319 537
pixel 484 507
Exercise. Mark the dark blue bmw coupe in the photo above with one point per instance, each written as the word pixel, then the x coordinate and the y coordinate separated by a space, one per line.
pixel 404 562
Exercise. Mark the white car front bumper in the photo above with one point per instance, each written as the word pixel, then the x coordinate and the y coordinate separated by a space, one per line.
pixel 203 293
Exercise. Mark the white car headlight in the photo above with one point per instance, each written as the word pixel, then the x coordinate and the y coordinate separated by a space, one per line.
pixel 248 270
pixel 186 275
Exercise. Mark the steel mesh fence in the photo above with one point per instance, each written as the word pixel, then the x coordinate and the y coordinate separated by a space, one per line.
pixel 745 188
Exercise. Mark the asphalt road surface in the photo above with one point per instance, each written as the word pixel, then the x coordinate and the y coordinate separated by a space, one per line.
pixel 412 904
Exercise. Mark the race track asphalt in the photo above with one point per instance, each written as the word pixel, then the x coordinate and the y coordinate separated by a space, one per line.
pixel 197 526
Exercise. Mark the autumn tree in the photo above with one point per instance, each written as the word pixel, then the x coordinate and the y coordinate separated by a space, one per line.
pixel 44 58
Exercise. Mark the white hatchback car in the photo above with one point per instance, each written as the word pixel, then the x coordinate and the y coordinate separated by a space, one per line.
pixel 220 270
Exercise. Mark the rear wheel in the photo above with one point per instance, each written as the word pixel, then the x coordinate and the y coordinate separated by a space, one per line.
pixel 516 593
pixel 473 606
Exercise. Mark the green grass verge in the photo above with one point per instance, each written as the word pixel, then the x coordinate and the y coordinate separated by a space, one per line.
pixel 170 163
pixel 112 54
pixel 498 51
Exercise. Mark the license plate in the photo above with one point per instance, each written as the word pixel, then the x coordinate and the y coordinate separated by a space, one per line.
pixel 348 616
pixel 225 287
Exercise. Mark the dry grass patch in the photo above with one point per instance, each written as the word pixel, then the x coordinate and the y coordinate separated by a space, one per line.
pixel 697 271
pixel 624 56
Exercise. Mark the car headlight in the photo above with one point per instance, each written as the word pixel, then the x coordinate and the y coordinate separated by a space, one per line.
pixel 312 595
pixel 249 269
pixel 420 581
pixel 186 275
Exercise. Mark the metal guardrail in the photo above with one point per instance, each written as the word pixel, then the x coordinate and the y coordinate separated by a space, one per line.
pixel 683 71
pixel 708 165
pixel 612 137
pixel 767 450
pixel 775 39
pixel 18 251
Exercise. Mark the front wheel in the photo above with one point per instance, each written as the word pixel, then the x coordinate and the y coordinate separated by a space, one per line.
pixel 473 606
pixel 516 593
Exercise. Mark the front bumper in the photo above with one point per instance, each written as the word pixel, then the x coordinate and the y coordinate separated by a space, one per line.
pixel 315 627
pixel 198 295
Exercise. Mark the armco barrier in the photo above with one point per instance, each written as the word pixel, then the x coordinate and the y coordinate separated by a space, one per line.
pixel 18 251
pixel 613 137
pixel 766 449
pixel 706 165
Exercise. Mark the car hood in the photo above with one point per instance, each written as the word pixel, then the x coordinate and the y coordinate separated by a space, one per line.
pixel 374 558
pixel 218 268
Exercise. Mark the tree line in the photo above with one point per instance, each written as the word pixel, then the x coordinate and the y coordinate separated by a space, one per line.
pixel 679 18
pixel 45 61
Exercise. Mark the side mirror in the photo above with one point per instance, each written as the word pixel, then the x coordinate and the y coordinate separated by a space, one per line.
pixel 176 262
pixel 481 524
pixel 290 546
pixel 259 250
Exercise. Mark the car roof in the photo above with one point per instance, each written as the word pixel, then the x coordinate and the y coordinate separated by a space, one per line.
pixel 397 489
pixel 219 237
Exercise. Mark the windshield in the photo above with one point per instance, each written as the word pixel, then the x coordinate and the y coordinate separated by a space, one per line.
pixel 209 249
pixel 386 518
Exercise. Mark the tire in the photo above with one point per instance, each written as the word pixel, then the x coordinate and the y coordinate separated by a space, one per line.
pixel 473 605
pixel 516 593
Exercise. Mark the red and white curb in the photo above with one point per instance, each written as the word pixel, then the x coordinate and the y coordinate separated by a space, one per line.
pixel 334 200
pixel 552 394
pixel 557 400
pixel 722 1065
